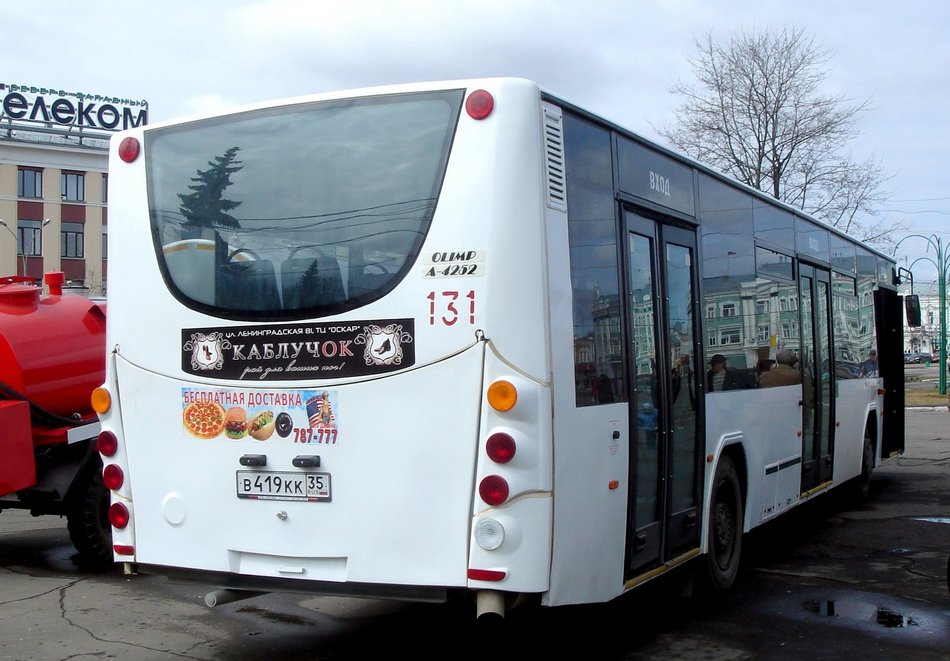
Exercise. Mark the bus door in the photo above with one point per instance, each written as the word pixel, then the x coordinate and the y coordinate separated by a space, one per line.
pixel 818 377
pixel 665 447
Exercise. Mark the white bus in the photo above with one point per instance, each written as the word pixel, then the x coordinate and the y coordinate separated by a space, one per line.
pixel 465 337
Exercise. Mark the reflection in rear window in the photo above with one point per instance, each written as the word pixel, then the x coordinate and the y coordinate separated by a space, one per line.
pixel 299 211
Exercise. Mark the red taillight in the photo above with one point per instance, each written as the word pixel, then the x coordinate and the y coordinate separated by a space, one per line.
pixel 500 448
pixel 107 444
pixel 129 149
pixel 113 477
pixel 123 549
pixel 479 104
pixel 118 515
pixel 486 574
pixel 493 489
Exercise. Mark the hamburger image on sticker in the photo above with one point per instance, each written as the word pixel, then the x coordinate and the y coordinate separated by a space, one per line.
pixel 235 423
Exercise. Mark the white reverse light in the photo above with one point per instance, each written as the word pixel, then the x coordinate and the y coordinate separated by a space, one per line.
pixel 489 534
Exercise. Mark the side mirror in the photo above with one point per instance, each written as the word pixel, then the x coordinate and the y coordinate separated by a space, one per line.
pixel 912 309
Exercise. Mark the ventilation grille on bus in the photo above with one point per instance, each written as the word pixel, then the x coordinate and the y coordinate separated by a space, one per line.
pixel 554 160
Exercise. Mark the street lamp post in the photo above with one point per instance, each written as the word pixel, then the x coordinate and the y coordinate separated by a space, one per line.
pixel 942 262
pixel 15 242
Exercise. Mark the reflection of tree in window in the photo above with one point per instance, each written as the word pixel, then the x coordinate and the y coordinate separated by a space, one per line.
pixel 206 206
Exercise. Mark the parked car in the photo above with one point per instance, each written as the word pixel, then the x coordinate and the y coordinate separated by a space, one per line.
pixel 916 357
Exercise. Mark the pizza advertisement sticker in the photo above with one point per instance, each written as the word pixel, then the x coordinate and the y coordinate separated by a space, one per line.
pixel 296 416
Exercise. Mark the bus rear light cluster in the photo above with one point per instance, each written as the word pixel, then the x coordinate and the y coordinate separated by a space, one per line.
pixel 502 395
pixel 101 400
pixel 493 489
pixel 489 534
pixel 500 448
pixel 107 444
pixel 119 515
pixel 113 477
pixel 487 574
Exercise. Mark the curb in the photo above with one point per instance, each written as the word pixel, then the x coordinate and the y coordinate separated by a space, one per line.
pixel 926 409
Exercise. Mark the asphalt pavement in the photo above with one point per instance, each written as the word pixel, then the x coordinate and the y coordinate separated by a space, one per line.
pixel 829 580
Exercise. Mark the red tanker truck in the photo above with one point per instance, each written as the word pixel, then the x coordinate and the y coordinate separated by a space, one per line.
pixel 52 355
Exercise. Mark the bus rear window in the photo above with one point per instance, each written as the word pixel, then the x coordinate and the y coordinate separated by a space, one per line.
pixel 300 211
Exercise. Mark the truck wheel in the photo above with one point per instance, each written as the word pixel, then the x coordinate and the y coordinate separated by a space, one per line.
pixel 88 519
pixel 724 544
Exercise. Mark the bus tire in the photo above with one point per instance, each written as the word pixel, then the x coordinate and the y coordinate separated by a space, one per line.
pixel 863 486
pixel 87 519
pixel 858 489
pixel 724 542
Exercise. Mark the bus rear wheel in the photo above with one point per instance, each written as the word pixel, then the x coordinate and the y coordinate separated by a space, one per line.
pixel 724 543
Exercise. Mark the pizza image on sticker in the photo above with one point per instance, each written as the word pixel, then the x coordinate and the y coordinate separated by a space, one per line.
pixel 203 419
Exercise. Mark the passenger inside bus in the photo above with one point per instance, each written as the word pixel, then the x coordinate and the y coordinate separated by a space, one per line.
pixel 783 373
pixel 722 377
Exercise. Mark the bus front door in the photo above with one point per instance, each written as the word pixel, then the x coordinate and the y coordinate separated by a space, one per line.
pixel 818 377
pixel 660 302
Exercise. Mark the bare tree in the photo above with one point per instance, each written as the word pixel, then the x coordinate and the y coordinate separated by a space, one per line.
pixel 759 114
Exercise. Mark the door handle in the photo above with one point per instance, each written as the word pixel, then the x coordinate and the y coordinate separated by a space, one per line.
pixel 641 540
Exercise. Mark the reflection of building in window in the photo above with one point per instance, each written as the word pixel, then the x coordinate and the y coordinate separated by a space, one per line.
pixel 730 336
pixel 712 340
pixel 583 351
pixel 608 343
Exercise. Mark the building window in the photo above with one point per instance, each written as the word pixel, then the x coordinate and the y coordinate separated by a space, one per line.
pixel 73 186
pixel 105 241
pixel 710 311
pixel 71 241
pixel 29 183
pixel 728 310
pixel 30 238
pixel 105 188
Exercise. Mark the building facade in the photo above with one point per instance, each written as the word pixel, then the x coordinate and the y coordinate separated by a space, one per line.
pixel 54 181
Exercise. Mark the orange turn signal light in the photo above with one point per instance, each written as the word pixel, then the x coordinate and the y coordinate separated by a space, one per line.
pixel 502 395
pixel 101 400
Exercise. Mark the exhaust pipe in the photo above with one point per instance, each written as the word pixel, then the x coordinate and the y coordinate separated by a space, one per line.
pixel 489 602
pixel 221 597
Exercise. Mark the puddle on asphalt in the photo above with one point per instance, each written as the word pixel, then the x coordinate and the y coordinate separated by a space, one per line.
pixel 863 612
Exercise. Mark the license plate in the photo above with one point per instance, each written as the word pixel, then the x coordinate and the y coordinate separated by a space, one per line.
pixel 273 485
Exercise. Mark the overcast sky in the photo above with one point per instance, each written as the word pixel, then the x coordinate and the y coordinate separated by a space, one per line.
pixel 616 58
